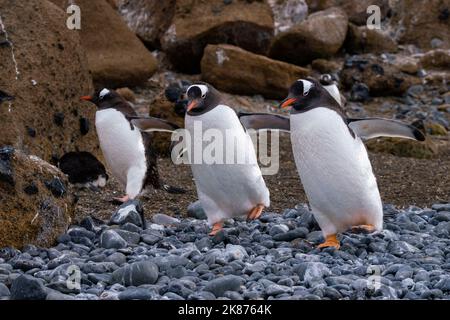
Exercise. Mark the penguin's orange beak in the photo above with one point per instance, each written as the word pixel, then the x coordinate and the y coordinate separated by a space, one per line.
pixel 192 105
pixel 86 98
pixel 287 103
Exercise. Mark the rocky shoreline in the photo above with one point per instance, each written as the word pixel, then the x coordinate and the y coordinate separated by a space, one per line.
pixel 275 257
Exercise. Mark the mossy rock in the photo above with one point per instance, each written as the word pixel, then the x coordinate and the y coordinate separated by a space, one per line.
pixel 403 147
pixel 436 129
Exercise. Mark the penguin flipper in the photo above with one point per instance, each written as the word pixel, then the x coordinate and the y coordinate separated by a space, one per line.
pixel 370 128
pixel 150 124
pixel 264 121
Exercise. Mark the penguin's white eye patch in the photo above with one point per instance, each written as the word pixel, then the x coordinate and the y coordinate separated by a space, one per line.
pixel 203 89
pixel 307 85
pixel 103 93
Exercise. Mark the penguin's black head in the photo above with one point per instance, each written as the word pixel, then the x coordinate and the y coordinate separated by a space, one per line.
pixel 202 97
pixel 305 94
pixel 101 96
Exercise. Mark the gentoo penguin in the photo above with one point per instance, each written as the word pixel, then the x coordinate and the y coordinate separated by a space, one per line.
pixel 328 84
pixel 331 158
pixel 5 97
pixel 84 170
pixel 125 148
pixel 225 188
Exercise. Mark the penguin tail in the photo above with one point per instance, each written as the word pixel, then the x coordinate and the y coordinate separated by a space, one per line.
pixel 172 189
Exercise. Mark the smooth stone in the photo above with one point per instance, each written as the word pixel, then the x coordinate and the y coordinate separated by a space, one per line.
pixel 235 252
pixel 26 287
pixel 58 296
pixel 312 272
pixel 195 210
pixel 444 284
pixel 258 266
pixel 441 206
pixel 404 272
pixel 151 237
pixel 130 237
pixel 202 295
pixel 129 212
pixel 131 227
pixel 276 289
pixel 136 294
pixel 81 232
pixel 99 277
pixel 165 220
pixel 277 229
pixel 117 258
pixel 4 291
pixel 25 265
pixel 220 285
pixel 111 239
pixel 399 248
pixel 136 274
pixel 442 216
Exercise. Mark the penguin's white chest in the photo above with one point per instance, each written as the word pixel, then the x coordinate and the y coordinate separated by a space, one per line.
pixel 335 171
pixel 122 147
pixel 226 189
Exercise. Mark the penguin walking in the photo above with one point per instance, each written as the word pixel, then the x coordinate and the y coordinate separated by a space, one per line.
pixel 126 149
pixel 225 189
pixel 331 158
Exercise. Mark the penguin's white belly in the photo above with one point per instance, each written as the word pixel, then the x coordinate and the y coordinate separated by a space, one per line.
pixel 122 147
pixel 226 190
pixel 335 171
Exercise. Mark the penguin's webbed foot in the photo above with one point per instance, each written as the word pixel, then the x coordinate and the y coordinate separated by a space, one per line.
pixel 121 200
pixel 255 213
pixel 330 241
pixel 216 228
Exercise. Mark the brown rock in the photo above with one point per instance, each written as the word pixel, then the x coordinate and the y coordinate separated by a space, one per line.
pixel 164 109
pixel 36 203
pixel 127 94
pixel 407 64
pixel 149 19
pixel 114 3
pixel 319 36
pixel 288 13
pixel 247 24
pixel 46 116
pixel 436 59
pixel 355 9
pixel 436 129
pixel 381 77
pixel 403 147
pixel 116 57
pixel 421 21
pixel 326 66
pixel 365 40
pixel 235 70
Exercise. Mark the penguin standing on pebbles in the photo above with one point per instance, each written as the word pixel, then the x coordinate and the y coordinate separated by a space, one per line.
pixel 331 158
pixel 225 189
pixel 126 149
pixel 229 189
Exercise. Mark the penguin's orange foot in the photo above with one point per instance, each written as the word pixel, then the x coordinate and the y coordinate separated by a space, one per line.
pixel 122 199
pixel 255 213
pixel 216 228
pixel 330 241
pixel 365 228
